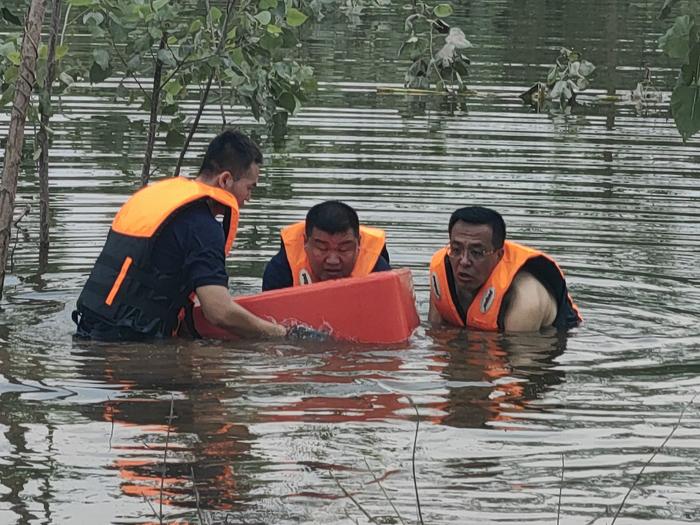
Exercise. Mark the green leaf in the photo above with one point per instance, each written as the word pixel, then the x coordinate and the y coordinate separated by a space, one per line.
pixel 264 17
pixel 271 42
pixel 676 42
pixel 157 4
pixel 287 101
pixel 43 51
pixel 7 48
pixel 274 30
pixel 689 72
pixel 215 14
pixel 155 33
pixel 61 51
pixel 10 18
pixel 443 10
pixel 685 106
pixel 134 63
pixel 295 17
pixel 174 138
pixel 80 3
pixel 97 74
pixel 195 26
pixel 237 56
pixel 101 57
pixel 14 57
pixel 93 18
pixel 268 4
pixel 166 56
pixel 666 9
pixel 173 87
pixel 289 38
pixel 65 78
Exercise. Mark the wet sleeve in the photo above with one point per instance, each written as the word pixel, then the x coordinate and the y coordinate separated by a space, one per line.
pixel 278 273
pixel 205 262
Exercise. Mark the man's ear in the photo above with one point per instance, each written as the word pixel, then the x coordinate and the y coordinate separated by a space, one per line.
pixel 222 179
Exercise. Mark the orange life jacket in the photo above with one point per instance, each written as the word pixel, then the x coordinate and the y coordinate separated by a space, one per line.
pixel 486 310
pixel 124 290
pixel 372 241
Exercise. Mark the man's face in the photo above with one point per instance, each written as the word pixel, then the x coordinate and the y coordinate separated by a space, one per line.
pixel 472 255
pixel 243 187
pixel 331 256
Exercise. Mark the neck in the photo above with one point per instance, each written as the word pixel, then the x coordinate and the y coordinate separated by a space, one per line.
pixel 465 298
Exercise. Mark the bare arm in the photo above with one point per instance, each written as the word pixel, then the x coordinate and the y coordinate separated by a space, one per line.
pixel 532 307
pixel 220 310
pixel 434 316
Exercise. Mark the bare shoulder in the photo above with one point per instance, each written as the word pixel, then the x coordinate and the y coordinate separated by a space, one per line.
pixel 532 306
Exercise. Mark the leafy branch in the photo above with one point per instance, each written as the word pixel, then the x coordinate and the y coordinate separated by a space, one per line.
pixel 447 67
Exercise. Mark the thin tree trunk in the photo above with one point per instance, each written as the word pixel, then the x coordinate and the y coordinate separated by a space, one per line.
pixel 205 94
pixel 153 121
pixel 43 137
pixel 15 136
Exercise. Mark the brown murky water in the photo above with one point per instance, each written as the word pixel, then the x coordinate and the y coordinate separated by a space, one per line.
pixel 267 432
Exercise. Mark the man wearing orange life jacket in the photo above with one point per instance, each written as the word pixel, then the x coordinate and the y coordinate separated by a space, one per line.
pixel 329 244
pixel 166 243
pixel 481 281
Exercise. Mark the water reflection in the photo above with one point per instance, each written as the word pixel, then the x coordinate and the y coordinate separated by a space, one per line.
pixel 205 441
pixel 492 378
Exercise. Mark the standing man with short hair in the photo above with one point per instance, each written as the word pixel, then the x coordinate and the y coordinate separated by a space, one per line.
pixel 329 244
pixel 166 243
pixel 481 281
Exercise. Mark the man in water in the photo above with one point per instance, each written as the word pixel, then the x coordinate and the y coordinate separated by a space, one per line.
pixel 165 243
pixel 329 244
pixel 481 281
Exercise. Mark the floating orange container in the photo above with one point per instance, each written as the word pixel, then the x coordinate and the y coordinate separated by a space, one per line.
pixel 378 308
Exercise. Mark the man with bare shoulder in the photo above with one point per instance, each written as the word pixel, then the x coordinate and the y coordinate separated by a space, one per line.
pixel 483 282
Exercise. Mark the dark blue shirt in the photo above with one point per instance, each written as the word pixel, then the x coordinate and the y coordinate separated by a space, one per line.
pixel 278 273
pixel 192 246
pixel 189 249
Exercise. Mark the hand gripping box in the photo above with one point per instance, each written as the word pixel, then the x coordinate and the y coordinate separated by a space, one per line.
pixel 379 308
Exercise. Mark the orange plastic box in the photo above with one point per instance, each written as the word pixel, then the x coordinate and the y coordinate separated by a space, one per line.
pixel 379 308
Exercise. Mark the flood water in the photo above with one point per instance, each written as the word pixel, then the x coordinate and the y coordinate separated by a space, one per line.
pixel 281 433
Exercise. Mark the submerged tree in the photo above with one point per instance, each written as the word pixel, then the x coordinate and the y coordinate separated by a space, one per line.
pixel 26 78
pixel 682 42
pixel 243 45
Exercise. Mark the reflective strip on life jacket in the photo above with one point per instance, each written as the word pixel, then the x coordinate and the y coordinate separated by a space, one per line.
pixel 144 213
pixel 372 241
pixel 440 289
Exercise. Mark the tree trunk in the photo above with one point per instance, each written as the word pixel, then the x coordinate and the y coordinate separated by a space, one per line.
pixel 43 137
pixel 15 135
pixel 153 121
pixel 205 94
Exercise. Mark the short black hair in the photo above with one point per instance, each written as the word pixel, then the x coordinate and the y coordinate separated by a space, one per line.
pixel 231 150
pixel 332 217
pixel 479 215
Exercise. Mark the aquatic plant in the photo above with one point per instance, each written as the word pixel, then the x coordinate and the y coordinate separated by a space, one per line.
pixel 447 66
pixel 569 75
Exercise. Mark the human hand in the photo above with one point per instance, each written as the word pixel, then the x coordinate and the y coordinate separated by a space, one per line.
pixel 301 332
